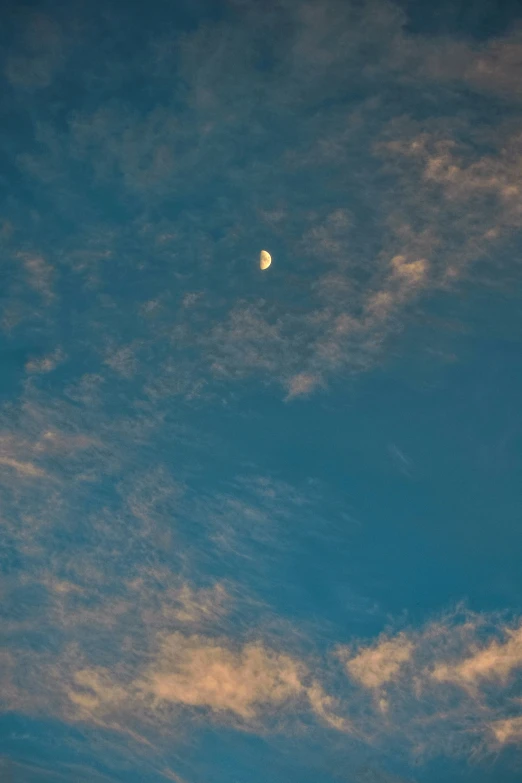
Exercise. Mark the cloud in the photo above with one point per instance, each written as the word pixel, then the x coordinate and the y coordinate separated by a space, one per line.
pixel 56 442
pixel 344 289
pixel 55 771
pixel 202 673
pixel 139 148
pixel 45 364
pixel 302 384
pixel 250 686
pixel 94 691
pixel 378 664
pixel 247 341
pixel 36 448
pixel 179 602
pixel 327 708
pixel 40 276
pixel 123 360
pixel 138 577
pixel 250 682
pixel 489 175
pixel 488 67
pixel 412 272
pixel 193 606
pixel 495 661
pixel 411 678
pixel 481 200
pixel 143 636
pixel 122 667
pixel 26 469
pixel 507 731
pixel 171 775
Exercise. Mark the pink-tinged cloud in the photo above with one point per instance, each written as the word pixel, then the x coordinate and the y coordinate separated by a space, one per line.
pixel 507 731
pixel 23 469
pixel 45 364
pixel 302 384
pixel 493 661
pixel 381 663
pixel 247 682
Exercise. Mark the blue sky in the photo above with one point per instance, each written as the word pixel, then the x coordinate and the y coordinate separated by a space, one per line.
pixel 261 524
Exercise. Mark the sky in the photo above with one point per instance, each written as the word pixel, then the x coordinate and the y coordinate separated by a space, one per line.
pixel 261 525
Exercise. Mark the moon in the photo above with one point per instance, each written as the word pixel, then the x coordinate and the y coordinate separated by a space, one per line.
pixel 265 259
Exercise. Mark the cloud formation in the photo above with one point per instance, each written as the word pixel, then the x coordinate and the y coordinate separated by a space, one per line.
pixel 412 676
pixel 352 278
pixel 496 661
pixel 198 672
pixel 376 665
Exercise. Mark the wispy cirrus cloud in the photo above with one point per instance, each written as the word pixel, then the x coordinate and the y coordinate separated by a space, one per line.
pixel 27 469
pixel 143 636
pixel 350 289
pixel 448 676
pixel 376 665
pixel 508 731
pixel 494 661
pixel 199 672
